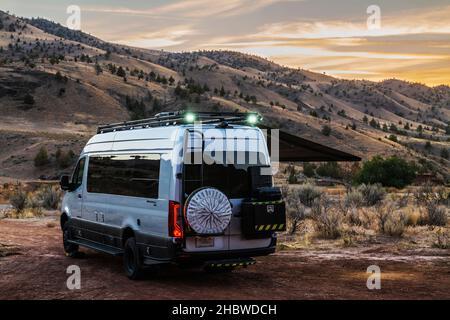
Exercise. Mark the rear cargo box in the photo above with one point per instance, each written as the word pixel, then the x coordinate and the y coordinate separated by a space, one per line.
pixel 261 219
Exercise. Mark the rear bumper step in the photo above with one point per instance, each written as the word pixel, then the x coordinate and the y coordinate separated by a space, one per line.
pixel 227 263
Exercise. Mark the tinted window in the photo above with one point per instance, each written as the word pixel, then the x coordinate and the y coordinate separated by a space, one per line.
pixel 77 177
pixel 126 175
pixel 235 180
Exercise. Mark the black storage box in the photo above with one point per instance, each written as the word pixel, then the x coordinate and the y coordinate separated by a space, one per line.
pixel 261 218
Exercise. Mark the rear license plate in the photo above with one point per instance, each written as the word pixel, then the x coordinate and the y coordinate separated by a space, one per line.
pixel 204 242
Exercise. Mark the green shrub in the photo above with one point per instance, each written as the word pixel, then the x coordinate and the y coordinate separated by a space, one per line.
pixel 308 169
pixel 329 169
pixel 41 158
pixel 390 172
pixel 326 130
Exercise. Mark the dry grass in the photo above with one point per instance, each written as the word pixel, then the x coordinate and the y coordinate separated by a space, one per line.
pixel 31 204
pixel 348 219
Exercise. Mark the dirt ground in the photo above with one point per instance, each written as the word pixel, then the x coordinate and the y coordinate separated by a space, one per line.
pixel 33 266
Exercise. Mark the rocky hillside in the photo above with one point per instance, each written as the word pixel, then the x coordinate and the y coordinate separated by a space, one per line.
pixel 57 85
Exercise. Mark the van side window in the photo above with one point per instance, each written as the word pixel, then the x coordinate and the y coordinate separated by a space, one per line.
pixel 126 175
pixel 77 177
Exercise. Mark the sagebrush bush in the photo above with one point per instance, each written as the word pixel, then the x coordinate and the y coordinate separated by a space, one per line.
pixel 354 199
pixel 437 215
pixel 34 204
pixel 296 212
pixel 328 219
pixel 307 193
pixel 382 212
pixel 372 193
pixel 395 224
pixel 50 197
pixel 18 200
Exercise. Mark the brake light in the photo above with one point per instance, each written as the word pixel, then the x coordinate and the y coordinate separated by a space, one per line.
pixel 175 230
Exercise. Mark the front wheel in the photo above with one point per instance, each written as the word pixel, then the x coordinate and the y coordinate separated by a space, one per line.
pixel 70 249
pixel 131 260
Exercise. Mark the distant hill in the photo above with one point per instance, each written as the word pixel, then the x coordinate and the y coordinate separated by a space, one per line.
pixel 57 85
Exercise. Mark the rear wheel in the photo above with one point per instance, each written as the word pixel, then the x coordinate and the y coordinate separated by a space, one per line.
pixel 131 260
pixel 70 249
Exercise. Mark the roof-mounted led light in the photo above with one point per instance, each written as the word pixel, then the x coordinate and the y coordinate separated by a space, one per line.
pixel 253 119
pixel 189 117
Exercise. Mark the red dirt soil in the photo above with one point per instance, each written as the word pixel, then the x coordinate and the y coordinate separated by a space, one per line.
pixel 38 271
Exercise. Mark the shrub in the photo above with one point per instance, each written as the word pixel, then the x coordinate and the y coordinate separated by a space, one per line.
pixel 442 239
pixel 295 210
pixel 395 224
pixel 295 213
pixel 41 158
pixel 308 169
pixel 50 197
pixel 329 169
pixel 393 138
pixel 427 194
pixel 382 212
pixel 391 172
pixel 372 193
pixel 307 193
pixel 354 199
pixel 328 219
pixel 437 215
pixel 34 204
pixel 326 130
pixel 63 159
pixel 18 200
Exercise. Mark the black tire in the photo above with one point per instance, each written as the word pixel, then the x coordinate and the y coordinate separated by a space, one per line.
pixel 70 249
pixel 132 262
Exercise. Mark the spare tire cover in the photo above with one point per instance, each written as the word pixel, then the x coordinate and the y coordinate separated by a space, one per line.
pixel 208 211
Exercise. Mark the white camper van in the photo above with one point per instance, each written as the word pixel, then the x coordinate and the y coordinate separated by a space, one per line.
pixel 179 188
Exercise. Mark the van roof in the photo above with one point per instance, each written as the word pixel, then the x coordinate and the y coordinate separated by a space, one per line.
pixel 178 118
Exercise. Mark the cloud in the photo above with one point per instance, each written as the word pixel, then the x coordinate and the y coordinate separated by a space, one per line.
pixel 193 9
pixel 413 43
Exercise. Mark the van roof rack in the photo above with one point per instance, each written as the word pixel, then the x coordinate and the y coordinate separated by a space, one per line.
pixel 173 118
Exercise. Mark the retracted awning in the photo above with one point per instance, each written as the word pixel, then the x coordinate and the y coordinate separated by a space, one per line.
pixel 293 148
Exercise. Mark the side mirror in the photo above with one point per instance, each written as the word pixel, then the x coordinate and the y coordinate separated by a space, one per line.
pixel 64 182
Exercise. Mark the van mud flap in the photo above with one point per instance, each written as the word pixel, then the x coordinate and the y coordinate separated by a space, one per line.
pixel 261 218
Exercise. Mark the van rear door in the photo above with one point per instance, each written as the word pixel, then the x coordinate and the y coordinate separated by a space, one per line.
pixel 223 160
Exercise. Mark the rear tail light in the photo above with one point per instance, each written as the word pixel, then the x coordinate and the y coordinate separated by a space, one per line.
pixel 175 229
